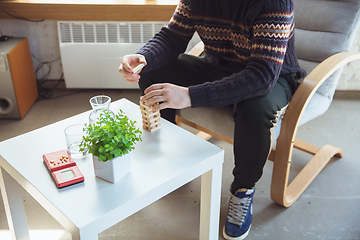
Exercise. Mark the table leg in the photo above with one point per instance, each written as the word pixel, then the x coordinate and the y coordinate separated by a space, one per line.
pixel 77 234
pixel 210 204
pixel 14 206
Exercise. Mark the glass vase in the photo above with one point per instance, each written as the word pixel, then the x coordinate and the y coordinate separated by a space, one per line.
pixel 99 104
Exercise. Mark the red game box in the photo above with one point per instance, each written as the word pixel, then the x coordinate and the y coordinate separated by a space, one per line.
pixel 63 168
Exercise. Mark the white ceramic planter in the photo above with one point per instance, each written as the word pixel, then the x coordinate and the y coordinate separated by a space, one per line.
pixel 114 169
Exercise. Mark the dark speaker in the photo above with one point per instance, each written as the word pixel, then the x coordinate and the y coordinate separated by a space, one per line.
pixel 18 90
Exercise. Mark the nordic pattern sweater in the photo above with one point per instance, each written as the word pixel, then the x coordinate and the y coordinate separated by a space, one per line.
pixel 253 39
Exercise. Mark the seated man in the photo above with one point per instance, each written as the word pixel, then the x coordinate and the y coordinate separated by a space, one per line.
pixel 249 61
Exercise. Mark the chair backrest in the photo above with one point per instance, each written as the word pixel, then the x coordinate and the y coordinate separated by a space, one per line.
pixel 324 28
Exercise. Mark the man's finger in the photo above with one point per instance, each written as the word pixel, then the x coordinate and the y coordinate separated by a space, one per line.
pixel 126 65
pixel 131 78
pixel 156 99
pixel 153 88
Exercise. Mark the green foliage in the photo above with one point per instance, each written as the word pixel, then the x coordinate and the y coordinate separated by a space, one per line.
pixel 110 137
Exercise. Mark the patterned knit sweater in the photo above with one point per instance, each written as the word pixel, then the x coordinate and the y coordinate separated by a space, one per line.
pixel 253 39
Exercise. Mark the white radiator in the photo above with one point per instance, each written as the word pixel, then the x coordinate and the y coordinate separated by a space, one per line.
pixel 91 51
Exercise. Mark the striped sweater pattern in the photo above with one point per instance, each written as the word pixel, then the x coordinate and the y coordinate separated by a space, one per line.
pixel 253 39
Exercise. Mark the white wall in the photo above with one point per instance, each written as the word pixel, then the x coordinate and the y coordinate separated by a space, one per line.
pixel 350 78
pixel 43 40
pixel 44 45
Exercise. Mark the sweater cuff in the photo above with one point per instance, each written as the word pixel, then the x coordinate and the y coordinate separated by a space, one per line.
pixel 198 96
pixel 149 60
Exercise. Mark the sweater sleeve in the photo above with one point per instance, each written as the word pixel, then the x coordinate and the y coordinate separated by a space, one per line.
pixel 272 27
pixel 171 40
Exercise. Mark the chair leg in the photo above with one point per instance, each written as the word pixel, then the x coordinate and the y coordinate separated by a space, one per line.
pixel 203 135
pixel 179 121
pixel 286 194
pixel 204 132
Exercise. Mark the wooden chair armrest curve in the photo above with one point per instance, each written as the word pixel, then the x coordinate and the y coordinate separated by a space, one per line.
pixel 281 192
pixel 309 86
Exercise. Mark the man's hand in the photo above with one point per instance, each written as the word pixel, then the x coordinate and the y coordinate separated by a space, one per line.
pixel 128 63
pixel 168 95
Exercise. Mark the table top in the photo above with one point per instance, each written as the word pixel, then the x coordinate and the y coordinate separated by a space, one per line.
pixel 165 160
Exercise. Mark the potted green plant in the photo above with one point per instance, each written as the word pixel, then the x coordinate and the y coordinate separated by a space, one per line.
pixel 110 140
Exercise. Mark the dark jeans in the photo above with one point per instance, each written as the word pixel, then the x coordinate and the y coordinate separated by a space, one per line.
pixel 253 118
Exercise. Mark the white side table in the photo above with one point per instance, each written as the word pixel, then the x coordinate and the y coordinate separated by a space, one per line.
pixel 164 161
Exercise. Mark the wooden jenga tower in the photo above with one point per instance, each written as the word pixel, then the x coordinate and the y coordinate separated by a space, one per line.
pixel 150 119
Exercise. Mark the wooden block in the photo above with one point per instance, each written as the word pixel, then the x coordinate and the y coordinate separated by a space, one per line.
pixel 151 123
pixel 152 128
pixel 144 106
pixel 150 115
pixel 150 119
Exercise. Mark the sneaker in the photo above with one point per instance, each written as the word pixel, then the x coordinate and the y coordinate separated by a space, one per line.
pixel 239 217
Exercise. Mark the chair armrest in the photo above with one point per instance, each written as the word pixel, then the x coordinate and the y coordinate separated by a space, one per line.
pixel 307 89
pixel 282 191
pixel 197 49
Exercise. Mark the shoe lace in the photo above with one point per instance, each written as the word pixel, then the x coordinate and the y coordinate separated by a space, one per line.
pixel 238 208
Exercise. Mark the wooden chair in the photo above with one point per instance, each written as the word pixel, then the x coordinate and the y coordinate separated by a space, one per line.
pixel 324 33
